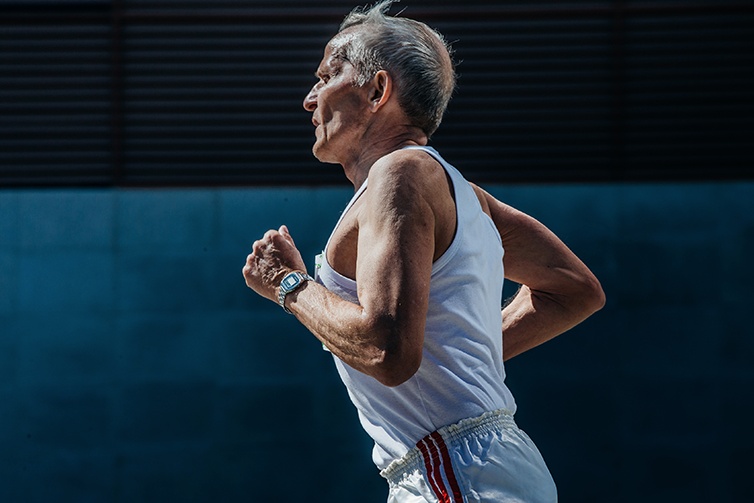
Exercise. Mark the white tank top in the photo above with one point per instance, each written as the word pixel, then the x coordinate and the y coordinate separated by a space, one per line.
pixel 461 374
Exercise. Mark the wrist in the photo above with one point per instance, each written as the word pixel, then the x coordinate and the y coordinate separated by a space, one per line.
pixel 291 283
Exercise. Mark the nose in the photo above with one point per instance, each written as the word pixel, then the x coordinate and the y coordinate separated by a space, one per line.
pixel 310 102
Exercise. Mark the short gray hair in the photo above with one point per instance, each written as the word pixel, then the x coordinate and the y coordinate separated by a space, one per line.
pixel 415 55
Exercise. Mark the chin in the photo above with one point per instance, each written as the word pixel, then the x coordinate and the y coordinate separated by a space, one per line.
pixel 322 154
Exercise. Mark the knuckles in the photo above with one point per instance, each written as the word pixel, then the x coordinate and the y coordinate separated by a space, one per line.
pixel 270 235
pixel 271 239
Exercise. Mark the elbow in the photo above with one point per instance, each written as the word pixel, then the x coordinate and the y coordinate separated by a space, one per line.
pixel 396 359
pixel 392 368
pixel 394 377
pixel 578 298
pixel 593 295
pixel 583 297
pixel 393 349
pixel 601 299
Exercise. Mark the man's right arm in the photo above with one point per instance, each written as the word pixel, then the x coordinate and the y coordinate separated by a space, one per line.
pixel 558 291
pixel 383 335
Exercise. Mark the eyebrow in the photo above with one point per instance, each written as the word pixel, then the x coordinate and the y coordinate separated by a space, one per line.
pixel 329 69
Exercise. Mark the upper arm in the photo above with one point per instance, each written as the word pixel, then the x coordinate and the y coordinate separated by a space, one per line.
pixel 396 245
pixel 536 257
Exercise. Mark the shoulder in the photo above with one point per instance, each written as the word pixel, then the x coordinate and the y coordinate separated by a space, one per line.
pixel 410 189
pixel 411 196
pixel 508 220
pixel 407 170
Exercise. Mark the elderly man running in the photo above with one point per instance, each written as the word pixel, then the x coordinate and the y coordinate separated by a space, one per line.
pixel 407 294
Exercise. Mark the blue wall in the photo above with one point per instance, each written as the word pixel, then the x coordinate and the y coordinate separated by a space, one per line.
pixel 136 366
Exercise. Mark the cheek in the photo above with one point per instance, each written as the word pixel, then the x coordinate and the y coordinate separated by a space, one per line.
pixel 347 113
pixel 340 98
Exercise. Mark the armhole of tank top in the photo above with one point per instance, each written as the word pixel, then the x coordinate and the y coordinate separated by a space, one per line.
pixel 357 195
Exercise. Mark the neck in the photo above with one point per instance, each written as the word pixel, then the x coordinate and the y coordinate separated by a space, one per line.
pixel 357 168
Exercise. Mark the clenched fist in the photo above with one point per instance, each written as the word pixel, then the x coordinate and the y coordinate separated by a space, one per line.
pixel 272 257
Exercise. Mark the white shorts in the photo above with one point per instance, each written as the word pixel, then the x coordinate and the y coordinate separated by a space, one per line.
pixel 486 459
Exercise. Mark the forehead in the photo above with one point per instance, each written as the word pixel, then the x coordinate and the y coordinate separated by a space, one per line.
pixel 342 39
pixel 334 48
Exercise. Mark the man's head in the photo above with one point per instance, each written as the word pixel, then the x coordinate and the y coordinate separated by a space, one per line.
pixel 415 55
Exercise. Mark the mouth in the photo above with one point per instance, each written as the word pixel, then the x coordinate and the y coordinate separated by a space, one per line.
pixel 315 122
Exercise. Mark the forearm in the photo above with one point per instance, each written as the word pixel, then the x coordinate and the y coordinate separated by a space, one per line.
pixel 361 340
pixel 534 317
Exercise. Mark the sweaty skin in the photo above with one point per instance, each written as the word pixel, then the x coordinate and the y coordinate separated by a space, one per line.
pixel 399 226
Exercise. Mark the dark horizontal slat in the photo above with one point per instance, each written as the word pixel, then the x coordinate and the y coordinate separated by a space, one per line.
pixel 177 92
pixel 55 102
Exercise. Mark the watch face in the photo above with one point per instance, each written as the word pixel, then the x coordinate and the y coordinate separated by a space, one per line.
pixel 290 281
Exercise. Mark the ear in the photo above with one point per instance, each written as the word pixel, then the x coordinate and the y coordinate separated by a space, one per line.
pixel 380 90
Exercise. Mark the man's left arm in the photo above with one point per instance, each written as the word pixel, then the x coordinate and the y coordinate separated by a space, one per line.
pixel 558 291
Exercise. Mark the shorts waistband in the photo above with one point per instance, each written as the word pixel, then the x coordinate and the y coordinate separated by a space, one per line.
pixel 413 460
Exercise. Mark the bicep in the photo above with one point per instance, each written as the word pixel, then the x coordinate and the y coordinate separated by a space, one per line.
pixel 394 261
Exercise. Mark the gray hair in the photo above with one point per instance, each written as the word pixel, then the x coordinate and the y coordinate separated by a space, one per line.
pixel 415 55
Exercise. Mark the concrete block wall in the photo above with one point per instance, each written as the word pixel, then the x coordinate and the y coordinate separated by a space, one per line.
pixel 136 366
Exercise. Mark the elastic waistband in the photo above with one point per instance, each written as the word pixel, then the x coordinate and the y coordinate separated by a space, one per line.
pixel 473 426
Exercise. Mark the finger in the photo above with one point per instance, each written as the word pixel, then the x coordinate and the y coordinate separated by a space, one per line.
pixel 247 269
pixel 286 234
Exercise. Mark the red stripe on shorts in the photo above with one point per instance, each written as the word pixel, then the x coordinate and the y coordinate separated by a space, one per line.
pixel 432 464
pixel 449 474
